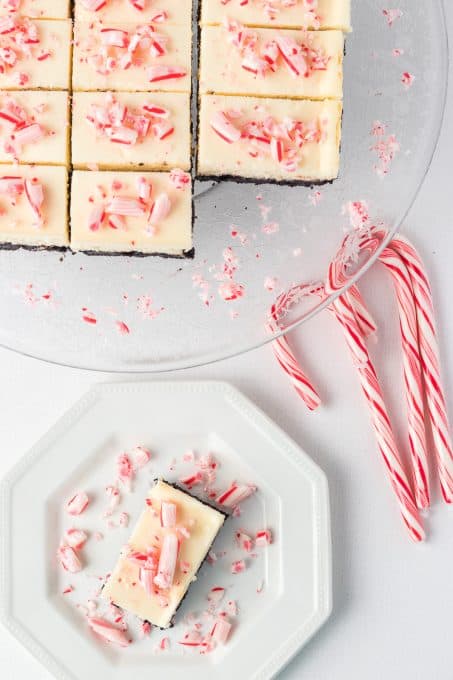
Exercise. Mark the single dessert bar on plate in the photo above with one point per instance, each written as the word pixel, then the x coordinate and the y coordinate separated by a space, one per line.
pixel 132 57
pixel 271 62
pixel 131 130
pixel 33 206
pixel 142 213
pixel 34 127
pixel 38 53
pixel 279 140
pixel 165 551
pixel 177 11
pixel 37 9
pixel 313 14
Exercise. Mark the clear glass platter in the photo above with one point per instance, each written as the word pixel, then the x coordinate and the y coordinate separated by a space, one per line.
pixel 154 314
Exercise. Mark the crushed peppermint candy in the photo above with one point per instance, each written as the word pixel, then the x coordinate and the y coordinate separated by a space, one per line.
pixel 130 126
pixel 20 41
pixel 19 128
pixel 301 58
pixel 263 136
pixel 77 504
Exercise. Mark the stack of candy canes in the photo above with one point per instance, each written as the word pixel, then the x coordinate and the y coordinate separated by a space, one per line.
pixel 425 398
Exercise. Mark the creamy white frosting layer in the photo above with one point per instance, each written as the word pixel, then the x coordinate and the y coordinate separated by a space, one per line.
pixel 203 522
pixel 326 13
pixel 225 69
pixel 253 155
pixel 171 235
pixel 45 63
pixel 18 220
pixel 44 9
pixel 178 11
pixel 48 110
pixel 92 142
pixel 97 67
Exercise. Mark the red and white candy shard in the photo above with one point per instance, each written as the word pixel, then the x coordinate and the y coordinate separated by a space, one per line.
pixel 244 541
pixel 238 567
pixel 126 471
pixel 141 456
pixel 77 504
pixel 167 562
pixel 75 538
pixel 221 630
pixel 215 595
pixel 235 494
pixel 263 538
pixel 114 497
pixel 69 559
pixel 108 631
pixel 168 513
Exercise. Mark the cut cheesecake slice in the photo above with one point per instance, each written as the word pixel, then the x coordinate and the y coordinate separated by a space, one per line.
pixel 313 14
pixel 274 140
pixel 131 212
pixel 131 130
pixel 165 551
pixel 34 127
pixel 270 62
pixel 132 57
pixel 33 205
pixel 177 11
pixel 36 9
pixel 35 53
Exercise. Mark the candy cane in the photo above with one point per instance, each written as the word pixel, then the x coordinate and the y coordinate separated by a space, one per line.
pixel 379 417
pixel 283 351
pixel 429 350
pixel 413 375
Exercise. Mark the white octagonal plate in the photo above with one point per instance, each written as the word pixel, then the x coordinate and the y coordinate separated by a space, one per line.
pixel 284 595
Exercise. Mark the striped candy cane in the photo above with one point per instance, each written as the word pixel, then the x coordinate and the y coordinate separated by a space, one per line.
pixel 412 365
pixel 379 417
pixel 429 350
pixel 282 349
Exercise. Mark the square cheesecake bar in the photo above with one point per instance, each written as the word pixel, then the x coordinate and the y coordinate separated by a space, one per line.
pixel 165 551
pixel 131 212
pixel 131 130
pixel 177 11
pixel 269 62
pixel 312 14
pixel 132 57
pixel 279 140
pixel 34 127
pixel 33 205
pixel 35 54
pixel 36 9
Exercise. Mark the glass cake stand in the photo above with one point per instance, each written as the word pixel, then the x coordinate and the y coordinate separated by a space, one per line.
pixel 154 314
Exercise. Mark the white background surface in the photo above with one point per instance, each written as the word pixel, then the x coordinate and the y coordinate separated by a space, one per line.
pixel 392 600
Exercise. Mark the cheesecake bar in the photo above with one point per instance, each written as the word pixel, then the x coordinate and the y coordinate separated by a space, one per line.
pixel 269 62
pixel 34 53
pixel 33 205
pixel 131 212
pixel 132 57
pixel 131 130
pixel 34 127
pixel 165 551
pixel 36 9
pixel 312 14
pixel 177 11
pixel 274 140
